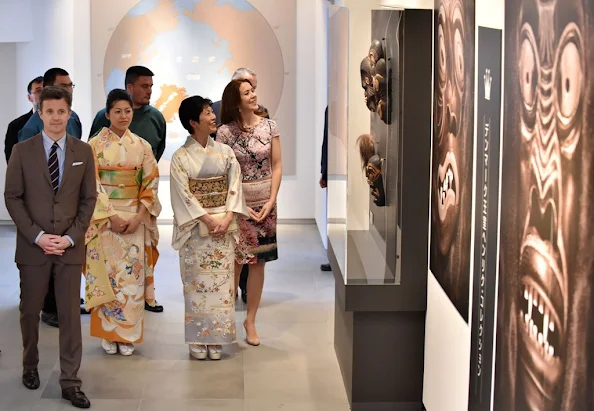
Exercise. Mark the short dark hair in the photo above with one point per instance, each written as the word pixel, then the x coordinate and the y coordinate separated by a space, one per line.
pixel 115 95
pixel 190 109
pixel 49 78
pixel 55 93
pixel 134 72
pixel 35 80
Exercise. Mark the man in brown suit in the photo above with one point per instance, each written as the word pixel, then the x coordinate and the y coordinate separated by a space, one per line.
pixel 50 194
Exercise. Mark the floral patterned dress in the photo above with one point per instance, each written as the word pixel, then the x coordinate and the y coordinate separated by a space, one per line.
pixel 119 267
pixel 206 180
pixel 253 149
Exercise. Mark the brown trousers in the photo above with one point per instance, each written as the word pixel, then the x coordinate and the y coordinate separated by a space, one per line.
pixel 34 285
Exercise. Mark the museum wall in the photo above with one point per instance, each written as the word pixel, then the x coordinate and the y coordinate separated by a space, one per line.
pixel 8 70
pixel 14 12
pixel 63 38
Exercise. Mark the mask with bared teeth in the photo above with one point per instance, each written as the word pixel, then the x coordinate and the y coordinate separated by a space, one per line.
pixel 549 283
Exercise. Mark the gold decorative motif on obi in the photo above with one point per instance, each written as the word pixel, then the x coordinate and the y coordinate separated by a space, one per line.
pixel 210 192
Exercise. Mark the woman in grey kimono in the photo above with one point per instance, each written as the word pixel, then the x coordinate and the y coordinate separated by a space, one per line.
pixel 206 193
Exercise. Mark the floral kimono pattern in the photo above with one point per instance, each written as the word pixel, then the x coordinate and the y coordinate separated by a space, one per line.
pixel 206 263
pixel 119 267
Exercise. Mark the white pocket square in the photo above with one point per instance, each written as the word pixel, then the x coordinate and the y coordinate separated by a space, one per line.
pixel 77 163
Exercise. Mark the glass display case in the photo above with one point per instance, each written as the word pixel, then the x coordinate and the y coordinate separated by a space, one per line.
pixel 362 145
pixel 366 144
pixel 338 54
pixel 379 149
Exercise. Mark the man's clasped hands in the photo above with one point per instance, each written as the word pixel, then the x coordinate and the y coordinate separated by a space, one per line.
pixel 52 244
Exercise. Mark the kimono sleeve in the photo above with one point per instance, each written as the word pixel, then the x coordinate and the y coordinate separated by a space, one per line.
pixel 148 195
pixel 186 208
pixel 103 207
pixel 235 199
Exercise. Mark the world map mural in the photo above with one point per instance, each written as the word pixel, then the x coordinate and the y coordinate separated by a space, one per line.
pixel 193 47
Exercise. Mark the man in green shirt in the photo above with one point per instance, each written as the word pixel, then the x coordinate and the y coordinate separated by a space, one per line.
pixel 148 122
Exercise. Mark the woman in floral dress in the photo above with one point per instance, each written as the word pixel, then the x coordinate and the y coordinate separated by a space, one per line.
pixel 206 194
pixel 256 143
pixel 122 238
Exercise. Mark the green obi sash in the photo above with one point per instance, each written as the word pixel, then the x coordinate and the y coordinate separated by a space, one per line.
pixel 121 183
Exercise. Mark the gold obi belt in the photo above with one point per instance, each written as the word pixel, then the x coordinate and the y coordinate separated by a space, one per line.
pixel 210 192
pixel 121 183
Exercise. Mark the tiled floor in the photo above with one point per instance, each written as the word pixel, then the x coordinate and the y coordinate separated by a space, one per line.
pixel 294 369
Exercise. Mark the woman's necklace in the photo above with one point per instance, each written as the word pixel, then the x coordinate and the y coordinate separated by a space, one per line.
pixel 252 124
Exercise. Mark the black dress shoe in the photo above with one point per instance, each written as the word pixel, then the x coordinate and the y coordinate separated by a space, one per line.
pixel 76 397
pixel 50 319
pixel 153 308
pixel 325 267
pixel 31 379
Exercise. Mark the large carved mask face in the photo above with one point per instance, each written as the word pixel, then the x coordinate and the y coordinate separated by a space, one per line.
pixel 453 118
pixel 552 67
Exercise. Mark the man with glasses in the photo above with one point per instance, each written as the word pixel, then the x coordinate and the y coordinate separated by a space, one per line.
pixel 12 133
pixel 59 78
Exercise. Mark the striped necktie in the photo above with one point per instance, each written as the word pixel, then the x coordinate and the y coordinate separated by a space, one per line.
pixel 54 168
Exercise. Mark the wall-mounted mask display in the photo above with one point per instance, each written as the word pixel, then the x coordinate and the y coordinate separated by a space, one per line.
pixel 372 167
pixel 371 228
pixel 375 81
pixel 373 172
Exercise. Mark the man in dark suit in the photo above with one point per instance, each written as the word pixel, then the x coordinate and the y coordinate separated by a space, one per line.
pixel 324 177
pixel 50 194
pixel 60 78
pixel 324 163
pixel 12 133
pixel 57 77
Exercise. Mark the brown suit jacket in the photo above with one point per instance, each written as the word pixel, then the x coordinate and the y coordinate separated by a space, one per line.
pixel 33 207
